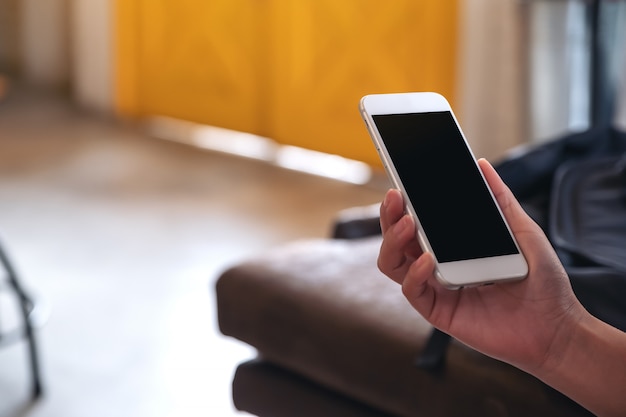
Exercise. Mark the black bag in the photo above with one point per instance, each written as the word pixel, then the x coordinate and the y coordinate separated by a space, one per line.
pixel 575 189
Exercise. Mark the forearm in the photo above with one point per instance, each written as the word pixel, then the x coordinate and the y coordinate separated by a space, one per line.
pixel 590 367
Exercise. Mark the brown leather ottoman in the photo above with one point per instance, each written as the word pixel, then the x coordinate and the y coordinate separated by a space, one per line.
pixel 336 337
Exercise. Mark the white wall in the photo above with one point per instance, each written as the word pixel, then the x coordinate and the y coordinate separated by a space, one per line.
pixel 43 35
pixel 68 43
pixel 92 54
pixel 491 70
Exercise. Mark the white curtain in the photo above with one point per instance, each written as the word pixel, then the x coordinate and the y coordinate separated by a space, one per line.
pixel 492 75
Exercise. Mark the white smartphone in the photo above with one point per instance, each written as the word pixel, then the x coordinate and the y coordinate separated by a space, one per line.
pixel 457 217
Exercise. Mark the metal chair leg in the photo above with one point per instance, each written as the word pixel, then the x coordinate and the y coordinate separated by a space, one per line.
pixel 27 306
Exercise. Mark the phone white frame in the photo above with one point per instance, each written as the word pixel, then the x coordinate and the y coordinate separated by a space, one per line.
pixel 457 274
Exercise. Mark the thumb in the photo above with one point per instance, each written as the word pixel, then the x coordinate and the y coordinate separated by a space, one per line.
pixel 530 237
pixel 513 212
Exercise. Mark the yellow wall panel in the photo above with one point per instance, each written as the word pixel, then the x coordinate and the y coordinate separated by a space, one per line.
pixel 292 70
pixel 327 54
pixel 199 60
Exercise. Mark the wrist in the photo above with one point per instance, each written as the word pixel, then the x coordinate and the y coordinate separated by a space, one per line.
pixel 586 363
pixel 568 335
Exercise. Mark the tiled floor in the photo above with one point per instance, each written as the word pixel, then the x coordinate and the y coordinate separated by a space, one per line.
pixel 123 236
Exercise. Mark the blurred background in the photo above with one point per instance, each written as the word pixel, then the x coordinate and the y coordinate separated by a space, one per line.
pixel 147 145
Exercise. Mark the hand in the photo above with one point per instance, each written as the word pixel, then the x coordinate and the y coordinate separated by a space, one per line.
pixel 522 323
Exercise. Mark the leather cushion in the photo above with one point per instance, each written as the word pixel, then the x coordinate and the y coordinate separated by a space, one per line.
pixel 320 308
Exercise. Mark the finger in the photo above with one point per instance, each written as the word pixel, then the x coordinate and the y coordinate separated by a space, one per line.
pixel 512 210
pixel 398 244
pixel 391 210
pixel 528 234
pixel 422 290
pixel 417 287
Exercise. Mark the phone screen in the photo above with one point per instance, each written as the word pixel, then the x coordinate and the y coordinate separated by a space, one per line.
pixel 444 185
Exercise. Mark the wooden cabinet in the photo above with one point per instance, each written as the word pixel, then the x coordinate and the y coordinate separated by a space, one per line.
pixel 292 70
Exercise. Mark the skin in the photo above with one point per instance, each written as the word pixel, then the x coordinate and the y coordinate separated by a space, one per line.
pixel 536 324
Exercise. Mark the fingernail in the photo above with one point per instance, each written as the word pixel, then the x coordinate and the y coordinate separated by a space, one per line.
pixel 386 200
pixel 404 225
pixel 423 261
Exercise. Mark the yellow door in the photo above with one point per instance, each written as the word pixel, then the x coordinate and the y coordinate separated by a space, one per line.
pixel 328 54
pixel 196 60
pixel 292 70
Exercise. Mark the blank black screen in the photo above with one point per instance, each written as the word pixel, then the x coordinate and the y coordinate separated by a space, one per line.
pixel 443 183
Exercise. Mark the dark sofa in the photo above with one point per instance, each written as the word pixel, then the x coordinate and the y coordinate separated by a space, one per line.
pixel 337 338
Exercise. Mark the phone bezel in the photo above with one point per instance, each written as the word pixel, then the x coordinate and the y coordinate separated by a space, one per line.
pixel 454 274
